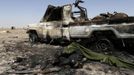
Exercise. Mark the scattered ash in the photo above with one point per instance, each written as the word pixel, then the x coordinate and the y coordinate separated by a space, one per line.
pixel 22 58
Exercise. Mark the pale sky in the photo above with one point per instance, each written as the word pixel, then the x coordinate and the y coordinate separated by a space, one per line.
pixel 22 12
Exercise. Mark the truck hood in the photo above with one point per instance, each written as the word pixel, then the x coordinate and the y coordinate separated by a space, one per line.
pixel 32 25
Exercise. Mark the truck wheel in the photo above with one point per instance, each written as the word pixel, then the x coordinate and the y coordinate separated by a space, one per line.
pixel 33 38
pixel 103 45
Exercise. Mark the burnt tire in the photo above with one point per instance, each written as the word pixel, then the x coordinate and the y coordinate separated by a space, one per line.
pixel 102 45
pixel 33 38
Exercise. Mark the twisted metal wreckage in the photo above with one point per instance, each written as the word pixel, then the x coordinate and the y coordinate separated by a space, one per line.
pixel 104 30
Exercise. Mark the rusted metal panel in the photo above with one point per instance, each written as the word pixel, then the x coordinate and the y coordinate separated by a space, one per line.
pixel 60 22
pixel 79 31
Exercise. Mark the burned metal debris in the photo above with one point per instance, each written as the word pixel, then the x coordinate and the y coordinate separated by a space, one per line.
pixel 113 29
pixel 104 32
pixel 49 60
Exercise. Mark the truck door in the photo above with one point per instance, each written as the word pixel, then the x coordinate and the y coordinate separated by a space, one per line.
pixel 53 30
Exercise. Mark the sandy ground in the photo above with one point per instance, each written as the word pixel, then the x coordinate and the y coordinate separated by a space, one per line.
pixel 16 54
pixel 8 36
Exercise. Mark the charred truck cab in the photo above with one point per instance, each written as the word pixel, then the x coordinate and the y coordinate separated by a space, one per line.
pixel 103 31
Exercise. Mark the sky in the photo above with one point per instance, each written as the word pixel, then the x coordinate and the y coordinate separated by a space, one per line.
pixel 20 13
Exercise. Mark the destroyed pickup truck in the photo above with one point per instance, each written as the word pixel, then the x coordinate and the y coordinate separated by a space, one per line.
pixel 61 23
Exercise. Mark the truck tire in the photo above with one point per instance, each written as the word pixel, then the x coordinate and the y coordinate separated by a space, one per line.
pixel 102 45
pixel 33 38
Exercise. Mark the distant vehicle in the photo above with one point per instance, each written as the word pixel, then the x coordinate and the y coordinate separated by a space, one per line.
pixel 104 31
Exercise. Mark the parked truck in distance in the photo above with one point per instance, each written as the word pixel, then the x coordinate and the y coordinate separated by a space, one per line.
pixel 103 32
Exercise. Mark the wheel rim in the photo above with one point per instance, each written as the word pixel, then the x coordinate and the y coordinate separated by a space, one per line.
pixel 104 45
pixel 32 38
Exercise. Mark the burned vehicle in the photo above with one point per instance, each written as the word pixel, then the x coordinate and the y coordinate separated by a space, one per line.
pixel 62 23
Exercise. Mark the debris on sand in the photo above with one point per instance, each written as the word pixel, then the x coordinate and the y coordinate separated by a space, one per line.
pixel 17 55
pixel 50 60
pixel 112 60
